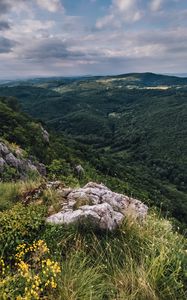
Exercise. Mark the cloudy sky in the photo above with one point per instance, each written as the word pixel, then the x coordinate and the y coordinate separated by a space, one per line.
pixel 79 37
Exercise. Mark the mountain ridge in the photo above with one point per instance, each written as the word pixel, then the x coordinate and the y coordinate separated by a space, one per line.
pixel 84 77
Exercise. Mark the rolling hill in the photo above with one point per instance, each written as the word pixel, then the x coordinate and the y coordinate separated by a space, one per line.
pixel 135 124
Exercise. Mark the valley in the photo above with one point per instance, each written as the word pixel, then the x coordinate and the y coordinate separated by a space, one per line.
pixel 93 201
pixel 136 136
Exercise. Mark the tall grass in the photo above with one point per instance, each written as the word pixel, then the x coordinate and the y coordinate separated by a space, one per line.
pixel 10 192
pixel 8 195
pixel 138 262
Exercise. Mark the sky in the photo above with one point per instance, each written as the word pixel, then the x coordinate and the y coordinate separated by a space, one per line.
pixel 41 38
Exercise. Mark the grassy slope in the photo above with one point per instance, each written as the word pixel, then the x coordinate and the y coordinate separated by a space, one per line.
pixel 138 261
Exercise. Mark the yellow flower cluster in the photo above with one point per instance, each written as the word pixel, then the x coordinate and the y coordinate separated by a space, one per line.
pixel 39 247
pixel 52 268
pixel 2 266
pixel 3 279
pixel 50 265
pixel 37 272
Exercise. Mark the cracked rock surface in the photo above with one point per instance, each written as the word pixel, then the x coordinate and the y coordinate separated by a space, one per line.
pixel 97 205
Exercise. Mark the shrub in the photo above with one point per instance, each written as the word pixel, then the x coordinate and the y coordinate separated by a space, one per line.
pixel 9 174
pixel 33 276
pixel 20 224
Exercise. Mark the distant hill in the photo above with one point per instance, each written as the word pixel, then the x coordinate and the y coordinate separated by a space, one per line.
pixel 151 79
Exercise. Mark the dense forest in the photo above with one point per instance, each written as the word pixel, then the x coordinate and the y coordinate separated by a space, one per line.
pixel 129 128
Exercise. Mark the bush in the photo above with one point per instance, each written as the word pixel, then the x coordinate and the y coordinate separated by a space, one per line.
pixel 33 276
pixel 9 174
pixel 20 224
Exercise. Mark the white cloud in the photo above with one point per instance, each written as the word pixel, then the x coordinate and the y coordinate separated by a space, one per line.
pixel 16 6
pixel 121 11
pixel 126 12
pixel 50 5
pixel 68 45
pixel 124 5
pixel 105 21
pixel 156 5
pixel 98 52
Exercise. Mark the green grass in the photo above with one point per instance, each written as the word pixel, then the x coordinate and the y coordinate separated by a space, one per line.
pixel 10 192
pixel 138 262
pixel 144 261
pixel 8 195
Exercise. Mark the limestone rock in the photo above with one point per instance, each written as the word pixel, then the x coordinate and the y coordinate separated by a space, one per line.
pixel 12 160
pixel 2 164
pixel 41 168
pixel 79 170
pixel 29 166
pixel 101 216
pixel 97 205
pixel 15 159
pixel 45 135
pixel 3 149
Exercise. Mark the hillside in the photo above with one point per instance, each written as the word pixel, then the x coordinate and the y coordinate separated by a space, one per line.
pixel 23 134
pixel 142 259
pixel 133 128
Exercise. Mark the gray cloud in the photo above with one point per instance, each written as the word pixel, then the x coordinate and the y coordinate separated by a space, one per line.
pixel 6 45
pixel 4 25
pixel 99 47
pixel 50 48
pixel 67 45
pixel 8 6
pixel 5 6
pixel 47 48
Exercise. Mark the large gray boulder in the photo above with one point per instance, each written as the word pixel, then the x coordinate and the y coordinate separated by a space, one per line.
pixel 97 205
pixel 101 216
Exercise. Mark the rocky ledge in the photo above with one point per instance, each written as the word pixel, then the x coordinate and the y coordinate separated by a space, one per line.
pixel 15 159
pixel 98 206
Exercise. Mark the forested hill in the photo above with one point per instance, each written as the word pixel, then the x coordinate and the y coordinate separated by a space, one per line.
pixel 136 125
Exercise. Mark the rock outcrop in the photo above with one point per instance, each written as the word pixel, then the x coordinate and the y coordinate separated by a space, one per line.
pixel 79 171
pixel 15 159
pixel 98 206
pixel 45 135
